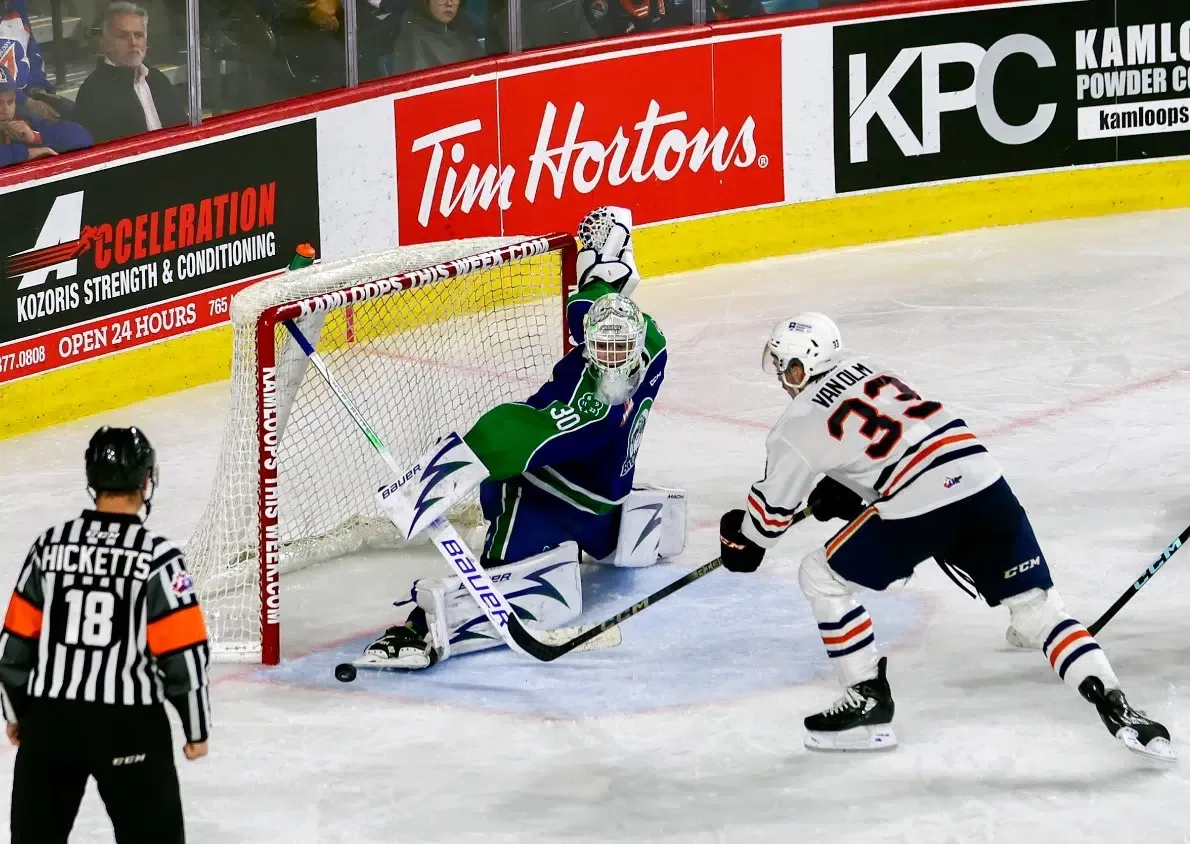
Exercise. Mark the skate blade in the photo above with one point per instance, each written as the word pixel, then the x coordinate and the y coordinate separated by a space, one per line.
pixel 856 740
pixel 1157 748
pixel 382 663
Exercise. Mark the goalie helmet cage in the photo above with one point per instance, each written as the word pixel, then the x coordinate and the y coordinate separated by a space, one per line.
pixel 425 339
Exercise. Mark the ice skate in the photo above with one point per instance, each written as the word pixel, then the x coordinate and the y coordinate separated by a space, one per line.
pixel 1139 733
pixel 399 648
pixel 860 720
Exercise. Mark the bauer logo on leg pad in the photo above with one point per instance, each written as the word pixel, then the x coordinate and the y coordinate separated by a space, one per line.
pixel 544 591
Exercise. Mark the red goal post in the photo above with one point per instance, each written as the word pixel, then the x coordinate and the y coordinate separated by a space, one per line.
pixel 423 350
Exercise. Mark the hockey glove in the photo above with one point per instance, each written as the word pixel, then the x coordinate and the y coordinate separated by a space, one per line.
pixel 606 235
pixel 736 551
pixel 831 500
pixel 591 267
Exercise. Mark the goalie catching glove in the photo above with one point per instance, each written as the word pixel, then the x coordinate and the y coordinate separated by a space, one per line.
pixel 606 236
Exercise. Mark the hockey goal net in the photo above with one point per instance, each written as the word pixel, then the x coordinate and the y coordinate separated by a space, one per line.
pixel 424 339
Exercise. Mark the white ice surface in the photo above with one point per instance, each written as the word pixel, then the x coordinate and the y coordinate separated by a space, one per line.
pixel 1064 344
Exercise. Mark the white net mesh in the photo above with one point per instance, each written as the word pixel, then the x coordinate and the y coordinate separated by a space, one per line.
pixel 418 363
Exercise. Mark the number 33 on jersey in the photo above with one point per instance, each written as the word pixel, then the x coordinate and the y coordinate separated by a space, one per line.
pixel 871 431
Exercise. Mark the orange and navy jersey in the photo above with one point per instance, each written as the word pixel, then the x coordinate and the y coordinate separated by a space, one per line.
pixel 105 612
pixel 871 431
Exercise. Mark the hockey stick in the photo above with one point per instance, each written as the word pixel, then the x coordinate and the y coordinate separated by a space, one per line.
pixel 1141 581
pixel 443 534
pixel 549 652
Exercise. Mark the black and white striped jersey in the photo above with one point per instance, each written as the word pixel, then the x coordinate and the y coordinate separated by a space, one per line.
pixel 104 611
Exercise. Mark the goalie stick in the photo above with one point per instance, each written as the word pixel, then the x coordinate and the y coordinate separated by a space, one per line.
pixel 443 534
pixel 547 652
pixel 1155 567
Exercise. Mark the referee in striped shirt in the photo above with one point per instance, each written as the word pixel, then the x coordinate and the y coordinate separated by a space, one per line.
pixel 102 628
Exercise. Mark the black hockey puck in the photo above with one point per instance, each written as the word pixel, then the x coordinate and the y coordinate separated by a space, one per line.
pixel 344 672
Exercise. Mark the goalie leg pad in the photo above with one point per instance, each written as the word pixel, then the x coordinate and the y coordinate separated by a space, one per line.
pixel 652 527
pixel 544 590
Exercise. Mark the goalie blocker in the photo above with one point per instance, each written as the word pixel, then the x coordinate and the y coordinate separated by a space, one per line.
pixel 441 478
pixel 544 590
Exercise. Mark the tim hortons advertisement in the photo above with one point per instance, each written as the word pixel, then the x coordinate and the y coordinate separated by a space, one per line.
pixel 1012 89
pixel 669 133
pixel 151 249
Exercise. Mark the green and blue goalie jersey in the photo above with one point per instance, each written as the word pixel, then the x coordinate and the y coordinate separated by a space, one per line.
pixel 563 439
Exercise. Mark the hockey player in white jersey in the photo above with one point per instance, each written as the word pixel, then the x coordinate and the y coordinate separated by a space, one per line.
pixel 935 492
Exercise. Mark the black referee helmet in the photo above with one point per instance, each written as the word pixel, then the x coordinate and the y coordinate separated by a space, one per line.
pixel 120 460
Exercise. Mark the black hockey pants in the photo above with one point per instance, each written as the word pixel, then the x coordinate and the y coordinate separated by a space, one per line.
pixel 127 749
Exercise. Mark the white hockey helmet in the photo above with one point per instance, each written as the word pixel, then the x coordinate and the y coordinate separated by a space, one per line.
pixel 811 339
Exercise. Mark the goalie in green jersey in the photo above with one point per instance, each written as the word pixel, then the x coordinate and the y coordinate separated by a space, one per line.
pixel 555 471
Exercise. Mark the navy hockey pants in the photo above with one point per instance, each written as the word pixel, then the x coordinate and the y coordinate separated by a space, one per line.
pixel 987 536
pixel 524 521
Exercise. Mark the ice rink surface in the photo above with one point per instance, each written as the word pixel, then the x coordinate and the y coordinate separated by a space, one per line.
pixel 1064 345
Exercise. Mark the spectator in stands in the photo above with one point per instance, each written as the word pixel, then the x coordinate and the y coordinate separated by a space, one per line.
pixel 20 54
pixel 124 96
pixel 325 14
pixel 620 17
pixel 377 25
pixel 728 10
pixel 30 138
pixel 433 33
pixel 308 45
pixel 544 23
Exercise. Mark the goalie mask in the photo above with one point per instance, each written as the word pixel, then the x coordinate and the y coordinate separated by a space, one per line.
pixel 808 340
pixel 614 337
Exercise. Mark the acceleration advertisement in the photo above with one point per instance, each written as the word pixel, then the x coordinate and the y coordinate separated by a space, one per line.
pixel 149 249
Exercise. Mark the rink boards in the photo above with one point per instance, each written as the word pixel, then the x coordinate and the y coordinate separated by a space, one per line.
pixel 789 133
